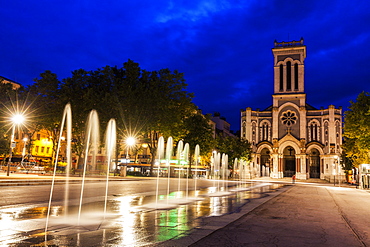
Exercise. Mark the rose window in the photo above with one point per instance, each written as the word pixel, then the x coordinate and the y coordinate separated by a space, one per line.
pixel 289 118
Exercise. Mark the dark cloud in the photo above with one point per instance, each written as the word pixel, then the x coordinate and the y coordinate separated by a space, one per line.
pixel 222 47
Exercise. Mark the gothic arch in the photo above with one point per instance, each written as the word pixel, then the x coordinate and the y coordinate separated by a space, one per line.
pixel 326 133
pixel 289 59
pixel 264 159
pixel 265 121
pixel 314 163
pixel 254 133
pixel 313 130
pixel 264 145
pixel 314 121
pixel 293 144
pixel 289 161
pixel 289 119
pixel 288 104
pixel 338 136
pixel 244 129
pixel 265 130
pixel 315 146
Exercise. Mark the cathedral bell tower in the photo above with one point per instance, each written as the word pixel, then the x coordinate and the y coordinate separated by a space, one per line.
pixel 289 67
pixel 289 89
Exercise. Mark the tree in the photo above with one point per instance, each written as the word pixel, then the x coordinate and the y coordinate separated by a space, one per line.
pixel 357 130
pixel 13 101
pixel 152 103
pixel 145 104
pixel 47 107
pixel 234 147
pixel 197 130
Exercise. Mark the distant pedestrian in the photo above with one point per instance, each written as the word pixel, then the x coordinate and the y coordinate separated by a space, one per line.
pixel 293 179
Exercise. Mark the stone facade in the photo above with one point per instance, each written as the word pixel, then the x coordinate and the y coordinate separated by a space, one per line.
pixel 292 137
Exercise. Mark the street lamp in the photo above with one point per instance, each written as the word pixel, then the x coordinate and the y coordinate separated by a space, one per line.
pixel 16 119
pixel 130 141
pixel 24 150
pixel 338 168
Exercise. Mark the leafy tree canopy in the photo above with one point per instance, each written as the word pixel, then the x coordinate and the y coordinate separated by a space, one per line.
pixel 197 131
pixel 234 147
pixel 357 130
pixel 144 103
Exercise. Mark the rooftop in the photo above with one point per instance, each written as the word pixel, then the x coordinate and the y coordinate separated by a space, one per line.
pixel 284 44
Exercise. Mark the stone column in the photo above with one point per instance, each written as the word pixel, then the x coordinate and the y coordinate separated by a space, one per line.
pixel 280 171
pixel 275 166
pixel 301 166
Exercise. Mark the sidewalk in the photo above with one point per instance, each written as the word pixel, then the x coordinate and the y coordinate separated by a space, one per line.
pixel 304 214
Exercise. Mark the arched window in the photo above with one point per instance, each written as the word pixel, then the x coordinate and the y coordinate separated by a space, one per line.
pixel 265 131
pixel 281 77
pixel 244 129
pixel 288 76
pixel 254 132
pixel 296 76
pixel 314 136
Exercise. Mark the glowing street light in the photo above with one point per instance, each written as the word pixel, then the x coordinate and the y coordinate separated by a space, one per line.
pixel 130 141
pixel 17 120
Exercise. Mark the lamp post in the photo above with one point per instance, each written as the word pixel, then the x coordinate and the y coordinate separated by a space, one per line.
pixel 24 150
pixel 334 172
pixel 16 119
pixel 339 168
pixel 336 169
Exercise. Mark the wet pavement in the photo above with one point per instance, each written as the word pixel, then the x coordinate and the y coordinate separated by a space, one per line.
pixel 129 221
pixel 306 214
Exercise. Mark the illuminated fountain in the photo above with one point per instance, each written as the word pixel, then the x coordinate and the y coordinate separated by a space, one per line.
pixel 169 148
pixel 179 156
pixel 182 158
pixel 67 118
pixel 196 159
pixel 160 152
pixel 110 147
pixel 91 144
pixel 89 221
pixel 129 213
pixel 220 174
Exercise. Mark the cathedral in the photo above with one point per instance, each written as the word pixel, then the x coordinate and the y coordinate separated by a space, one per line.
pixel 292 137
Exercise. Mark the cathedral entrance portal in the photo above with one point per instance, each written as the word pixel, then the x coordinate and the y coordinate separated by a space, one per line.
pixel 289 162
pixel 265 163
pixel 314 163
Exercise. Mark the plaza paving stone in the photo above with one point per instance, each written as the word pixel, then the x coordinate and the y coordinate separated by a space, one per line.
pixel 303 214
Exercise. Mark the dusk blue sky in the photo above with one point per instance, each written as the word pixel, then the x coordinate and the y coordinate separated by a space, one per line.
pixel 222 47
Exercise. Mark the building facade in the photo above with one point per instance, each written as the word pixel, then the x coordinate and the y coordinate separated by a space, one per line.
pixel 15 85
pixel 292 137
pixel 222 127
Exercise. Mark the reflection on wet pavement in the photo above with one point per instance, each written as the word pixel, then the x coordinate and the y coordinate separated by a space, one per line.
pixel 129 222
